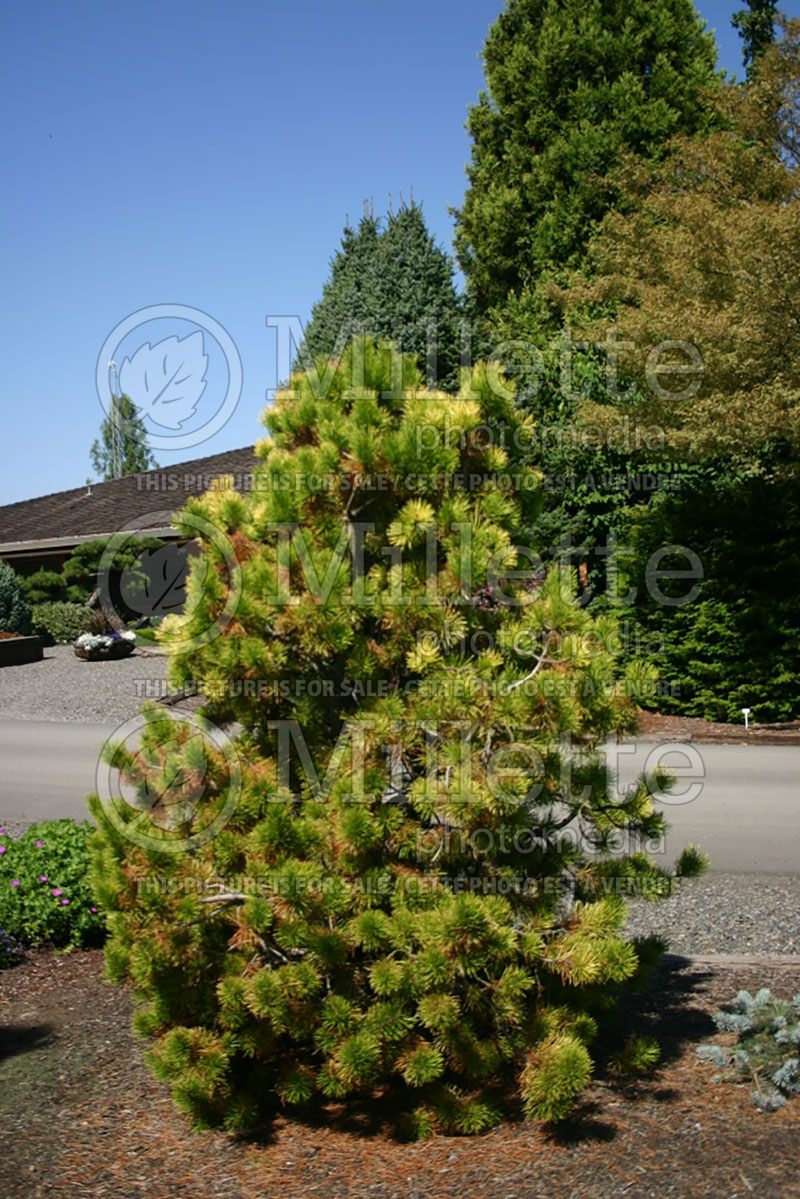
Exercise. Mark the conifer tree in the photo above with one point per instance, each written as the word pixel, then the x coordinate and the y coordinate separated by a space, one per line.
pixel 390 280
pixel 570 84
pixel 134 453
pixel 419 885
pixel 756 25
pixel 348 295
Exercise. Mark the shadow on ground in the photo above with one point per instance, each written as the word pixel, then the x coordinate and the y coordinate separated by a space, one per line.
pixel 21 1038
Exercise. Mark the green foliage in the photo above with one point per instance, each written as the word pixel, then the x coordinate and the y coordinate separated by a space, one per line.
pixel 702 255
pixel 394 901
pixel 123 576
pixel 81 568
pixel 12 951
pixel 15 616
pixel 134 453
pixel 691 863
pixel 390 282
pixel 726 455
pixel 59 623
pixel 756 25
pixel 79 578
pixel 767 1049
pixel 45 586
pixel 570 85
pixel 639 1055
pixel 45 897
pixel 737 644
pixel 556 1073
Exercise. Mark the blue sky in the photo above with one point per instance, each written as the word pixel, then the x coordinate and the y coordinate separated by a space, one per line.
pixel 206 155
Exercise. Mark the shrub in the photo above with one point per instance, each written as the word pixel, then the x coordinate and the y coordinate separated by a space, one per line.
pixel 767 1052
pixel 81 570
pixel 44 890
pixel 15 615
pixel 419 915
pixel 737 644
pixel 44 587
pixel 60 623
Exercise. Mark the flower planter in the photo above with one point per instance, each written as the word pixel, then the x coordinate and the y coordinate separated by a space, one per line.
pixel 105 648
pixel 15 651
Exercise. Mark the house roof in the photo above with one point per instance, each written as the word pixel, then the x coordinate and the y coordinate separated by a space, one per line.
pixel 147 499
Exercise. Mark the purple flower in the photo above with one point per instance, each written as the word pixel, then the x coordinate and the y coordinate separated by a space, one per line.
pixel 65 901
pixel 15 882
pixel 92 909
pixel 39 844
pixel 56 891
pixel 42 878
pixel 2 849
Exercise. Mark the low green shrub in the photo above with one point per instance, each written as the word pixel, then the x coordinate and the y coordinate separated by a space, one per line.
pixel 59 622
pixel 15 615
pixel 45 897
pixel 767 1051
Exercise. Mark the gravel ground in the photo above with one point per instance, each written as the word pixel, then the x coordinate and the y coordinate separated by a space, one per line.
pixel 63 687
pixel 725 913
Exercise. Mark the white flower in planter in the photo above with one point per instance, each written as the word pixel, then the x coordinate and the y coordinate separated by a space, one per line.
pixel 102 642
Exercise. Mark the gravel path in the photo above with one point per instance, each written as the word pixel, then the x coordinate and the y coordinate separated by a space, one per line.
pixel 63 687
pixel 725 913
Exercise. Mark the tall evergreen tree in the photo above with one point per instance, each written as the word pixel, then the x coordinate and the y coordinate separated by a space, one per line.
pixel 570 85
pixel 347 296
pixel 390 280
pixel 134 454
pixel 756 25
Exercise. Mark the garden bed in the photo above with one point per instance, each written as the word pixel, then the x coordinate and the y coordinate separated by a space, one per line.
pixel 82 1116
pixel 655 727
pixel 16 651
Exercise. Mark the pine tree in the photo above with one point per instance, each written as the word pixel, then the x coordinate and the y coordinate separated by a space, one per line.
pixel 756 25
pixel 134 453
pixel 570 85
pixel 390 280
pixel 417 883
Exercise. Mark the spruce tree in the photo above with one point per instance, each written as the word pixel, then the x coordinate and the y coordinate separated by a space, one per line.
pixel 390 280
pixel 571 84
pixel 348 295
pixel 418 887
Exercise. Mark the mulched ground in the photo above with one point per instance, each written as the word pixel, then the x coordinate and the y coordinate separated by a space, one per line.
pixel 81 1116
pixel 653 725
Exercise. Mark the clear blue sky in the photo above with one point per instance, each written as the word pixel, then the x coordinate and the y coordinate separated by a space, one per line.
pixel 207 155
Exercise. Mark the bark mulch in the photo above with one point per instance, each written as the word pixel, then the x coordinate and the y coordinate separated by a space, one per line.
pixel 82 1117
pixel 654 726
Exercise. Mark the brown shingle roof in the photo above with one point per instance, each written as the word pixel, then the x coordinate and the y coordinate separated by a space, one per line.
pixel 104 508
